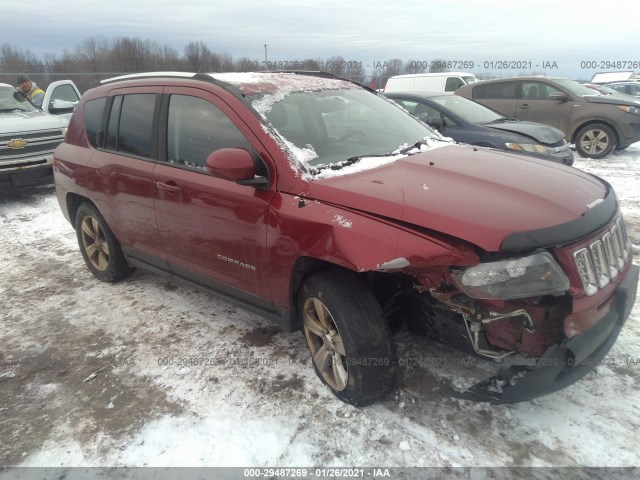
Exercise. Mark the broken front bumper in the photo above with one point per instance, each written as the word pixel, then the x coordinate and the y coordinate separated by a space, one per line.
pixel 562 364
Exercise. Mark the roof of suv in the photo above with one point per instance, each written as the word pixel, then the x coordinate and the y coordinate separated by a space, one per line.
pixel 255 83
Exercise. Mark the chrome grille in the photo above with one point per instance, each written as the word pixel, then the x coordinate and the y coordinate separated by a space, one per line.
pixel 40 134
pixel 604 259
pixel 30 149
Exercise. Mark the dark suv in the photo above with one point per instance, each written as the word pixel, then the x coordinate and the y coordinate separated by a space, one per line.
pixel 326 207
pixel 596 124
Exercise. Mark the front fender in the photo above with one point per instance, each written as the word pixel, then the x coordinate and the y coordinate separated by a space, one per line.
pixel 353 240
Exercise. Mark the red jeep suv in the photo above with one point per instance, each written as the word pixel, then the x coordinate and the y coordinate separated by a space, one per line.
pixel 320 204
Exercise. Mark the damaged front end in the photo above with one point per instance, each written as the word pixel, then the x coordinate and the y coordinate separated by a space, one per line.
pixel 546 318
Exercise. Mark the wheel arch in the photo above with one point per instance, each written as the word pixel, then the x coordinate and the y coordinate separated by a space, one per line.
pixel 383 285
pixel 593 121
pixel 74 201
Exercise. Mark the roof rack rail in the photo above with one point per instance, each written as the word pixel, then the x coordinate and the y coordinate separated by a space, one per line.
pixel 132 76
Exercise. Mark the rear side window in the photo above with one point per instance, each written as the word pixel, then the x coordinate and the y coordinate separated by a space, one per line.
pixel 505 90
pixel 93 119
pixel 453 83
pixel 196 127
pixel 130 125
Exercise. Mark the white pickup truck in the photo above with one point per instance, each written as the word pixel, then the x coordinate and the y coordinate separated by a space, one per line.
pixel 29 135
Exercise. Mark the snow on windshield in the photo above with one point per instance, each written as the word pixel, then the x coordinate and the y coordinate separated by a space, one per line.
pixel 265 89
pixel 329 126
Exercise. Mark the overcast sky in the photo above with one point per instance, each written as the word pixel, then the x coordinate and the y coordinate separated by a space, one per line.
pixel 372 31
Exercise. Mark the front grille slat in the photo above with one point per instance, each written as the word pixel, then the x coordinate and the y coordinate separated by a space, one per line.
pixel 30 149
pixel 26 135
pixel 604 259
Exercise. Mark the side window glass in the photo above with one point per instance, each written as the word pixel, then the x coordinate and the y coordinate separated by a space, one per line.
pixel 453 83
pixel 502 90
pixel 112 126
pixel 196 128
pixel 136 124
pixel 93 118
pixel 66 93
pixel 421 109
pixel 537 91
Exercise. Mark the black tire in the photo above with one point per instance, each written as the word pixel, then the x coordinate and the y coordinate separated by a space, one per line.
pixel 595 140
pixel 350 341
pixel 100 249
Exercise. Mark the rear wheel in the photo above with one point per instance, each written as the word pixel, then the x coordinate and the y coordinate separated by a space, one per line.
pixel 100 249
pixel 349 339
pixel 595 140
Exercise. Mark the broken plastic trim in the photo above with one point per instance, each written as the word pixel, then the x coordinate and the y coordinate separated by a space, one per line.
pixel 562 364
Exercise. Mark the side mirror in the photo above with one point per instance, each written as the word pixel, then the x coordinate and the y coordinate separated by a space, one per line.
pixel 62 106
pixel 559 97
pixel 235 164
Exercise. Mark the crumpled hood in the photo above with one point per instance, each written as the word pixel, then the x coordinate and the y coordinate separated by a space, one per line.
pixel 545 134
pixel 11 122
pixel 477 195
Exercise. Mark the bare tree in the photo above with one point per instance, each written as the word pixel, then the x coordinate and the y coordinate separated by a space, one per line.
pixel 199 58
pixel 414 66
pixel 310 64
pixel 438 65
pixel 14 60
pixel 390 68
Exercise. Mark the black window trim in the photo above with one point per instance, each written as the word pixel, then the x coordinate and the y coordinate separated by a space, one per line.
pixel 153 153
pixel 261 166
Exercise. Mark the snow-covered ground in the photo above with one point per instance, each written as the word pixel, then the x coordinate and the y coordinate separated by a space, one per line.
pixel 147 373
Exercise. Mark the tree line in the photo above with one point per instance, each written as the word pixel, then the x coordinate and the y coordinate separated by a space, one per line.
pixel 98 58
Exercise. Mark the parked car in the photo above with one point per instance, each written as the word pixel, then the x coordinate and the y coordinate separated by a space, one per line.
pixel 629 88
pixel 29 135
pixel 469 122
pixel 596 124
pixel 603 90
pixel 429 82
pixel 328 208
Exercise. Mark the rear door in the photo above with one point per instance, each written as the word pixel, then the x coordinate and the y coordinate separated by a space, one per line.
pixel 213 230
pixel 501 96
pixel 121 179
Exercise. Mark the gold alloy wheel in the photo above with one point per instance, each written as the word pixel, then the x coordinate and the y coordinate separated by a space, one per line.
pixel 325 342
pixel 95 244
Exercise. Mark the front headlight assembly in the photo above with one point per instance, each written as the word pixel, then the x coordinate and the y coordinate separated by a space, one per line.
pixel 527 147
pixel 523 277
pixel 630 109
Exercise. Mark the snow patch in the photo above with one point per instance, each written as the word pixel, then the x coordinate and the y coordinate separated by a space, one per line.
pixel 342 221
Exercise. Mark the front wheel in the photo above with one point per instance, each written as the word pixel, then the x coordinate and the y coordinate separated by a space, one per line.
pixel 99 247
pixel 349 339
pixel 595 140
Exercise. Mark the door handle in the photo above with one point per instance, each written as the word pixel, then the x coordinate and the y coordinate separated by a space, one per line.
pixel 524 106
pixel 169 186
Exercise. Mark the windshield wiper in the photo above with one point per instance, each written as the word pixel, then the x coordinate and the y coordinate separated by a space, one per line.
pixel 419 143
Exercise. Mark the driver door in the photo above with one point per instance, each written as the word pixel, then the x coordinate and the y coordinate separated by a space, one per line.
pixel 213 230
pixel 61 98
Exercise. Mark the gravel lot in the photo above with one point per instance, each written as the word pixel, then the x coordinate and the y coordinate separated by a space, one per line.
pixel 148 373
